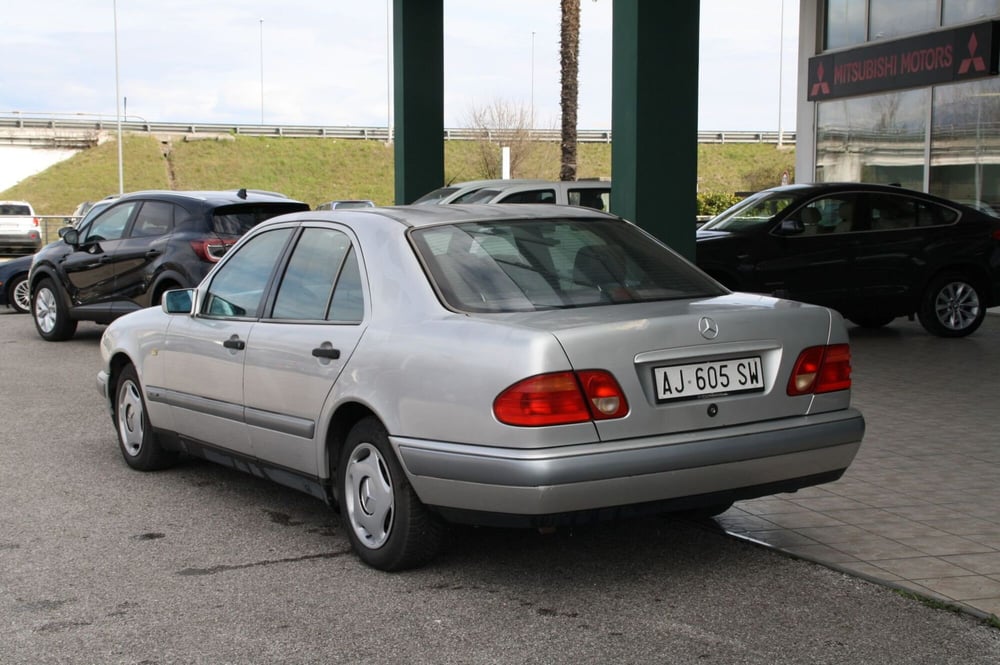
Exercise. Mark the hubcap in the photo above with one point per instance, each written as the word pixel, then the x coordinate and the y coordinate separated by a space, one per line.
pixel 45 310
pixel 957 306
pixel 130 418
pixel 369 497
pixel 22 295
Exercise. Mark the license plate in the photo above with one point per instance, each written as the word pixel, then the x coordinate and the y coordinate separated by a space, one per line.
pixel 739 375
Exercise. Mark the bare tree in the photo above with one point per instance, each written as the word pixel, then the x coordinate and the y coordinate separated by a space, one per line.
pixel 569 63
pixel 498 125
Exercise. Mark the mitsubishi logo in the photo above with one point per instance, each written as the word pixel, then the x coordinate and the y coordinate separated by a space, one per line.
pixel 820 87
pixel 974 61
pixel 708 328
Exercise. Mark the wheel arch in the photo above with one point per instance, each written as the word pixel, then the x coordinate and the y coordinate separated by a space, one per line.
pixel 344 418
pixel 974 272
pixel 118 362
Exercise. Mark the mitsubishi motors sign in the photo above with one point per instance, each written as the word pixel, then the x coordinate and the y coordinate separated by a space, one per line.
pixel 938 57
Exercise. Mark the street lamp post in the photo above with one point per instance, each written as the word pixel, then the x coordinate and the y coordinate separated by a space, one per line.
pixel 118 106
pixel 532 78
pixel 781 64
pixel 261 71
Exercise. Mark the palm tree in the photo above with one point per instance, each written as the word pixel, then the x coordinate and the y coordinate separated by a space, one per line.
pixel 569 62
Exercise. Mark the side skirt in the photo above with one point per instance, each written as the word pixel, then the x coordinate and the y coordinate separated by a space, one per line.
pixel 311 485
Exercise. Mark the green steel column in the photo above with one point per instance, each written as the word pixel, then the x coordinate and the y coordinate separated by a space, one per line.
pixel 418 89
pixel 654 117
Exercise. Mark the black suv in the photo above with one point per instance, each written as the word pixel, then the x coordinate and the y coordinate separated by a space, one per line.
pixel 140 246
pixel 872 252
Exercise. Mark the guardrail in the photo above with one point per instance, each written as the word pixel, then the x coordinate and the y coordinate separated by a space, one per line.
pixel 18 124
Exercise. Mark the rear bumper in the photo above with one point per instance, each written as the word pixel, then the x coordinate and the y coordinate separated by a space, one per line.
pixel 685 470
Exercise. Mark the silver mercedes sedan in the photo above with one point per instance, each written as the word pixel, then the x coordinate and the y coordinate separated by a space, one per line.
pixel 528 365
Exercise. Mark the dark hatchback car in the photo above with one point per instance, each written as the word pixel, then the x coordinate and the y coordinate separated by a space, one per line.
pixel 872 252
pixel 141 245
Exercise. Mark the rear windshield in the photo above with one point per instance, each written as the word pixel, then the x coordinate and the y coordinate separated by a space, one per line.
pixel 528 265
pixel 435 196
pixel 11 209
pixel 237 219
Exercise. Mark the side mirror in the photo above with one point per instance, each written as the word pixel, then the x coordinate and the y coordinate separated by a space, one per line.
pixel 791 227
pixel 70 235
pixel 178 301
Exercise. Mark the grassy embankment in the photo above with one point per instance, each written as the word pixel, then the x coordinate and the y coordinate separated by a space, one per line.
pixel 318 170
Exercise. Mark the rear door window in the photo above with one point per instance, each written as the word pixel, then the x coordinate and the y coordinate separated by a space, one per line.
pixel 321 281
pixel 155 218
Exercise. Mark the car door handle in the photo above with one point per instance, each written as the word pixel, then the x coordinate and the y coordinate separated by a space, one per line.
pixel 153 253
pixel 235 342
pixel 326 352
pixel 104 259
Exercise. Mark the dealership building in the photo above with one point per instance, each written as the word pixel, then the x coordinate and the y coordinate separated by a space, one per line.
pixel 901 91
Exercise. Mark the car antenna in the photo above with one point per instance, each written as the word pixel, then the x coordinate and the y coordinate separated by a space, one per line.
pixel 242 193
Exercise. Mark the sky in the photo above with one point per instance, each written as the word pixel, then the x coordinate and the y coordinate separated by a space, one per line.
pixel 325 62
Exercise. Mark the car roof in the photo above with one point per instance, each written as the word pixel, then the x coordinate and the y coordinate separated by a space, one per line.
pixel 211 198
pixel 418 216
pixel 851 186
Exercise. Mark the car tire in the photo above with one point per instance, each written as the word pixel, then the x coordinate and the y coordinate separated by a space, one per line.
pixel 952 306
pixel 389 528
pixel 19 294
pixel 871 320
pixel 51 314
pixel 136 440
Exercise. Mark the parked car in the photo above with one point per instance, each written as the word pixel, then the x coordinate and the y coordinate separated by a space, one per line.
pixel 459 192
pixel 346 203
pixel 872 252
pixel 594 193
pixel 14 292
pixel 20 228
pixel 124 257
pixel 503 365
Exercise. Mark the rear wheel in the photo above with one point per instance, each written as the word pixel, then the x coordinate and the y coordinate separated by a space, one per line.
pixel 951 306
pixel 389 528
pixel 139 446
pixel 19 294
pixel 51 313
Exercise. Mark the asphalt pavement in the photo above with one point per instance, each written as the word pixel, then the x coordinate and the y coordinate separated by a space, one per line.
pixel 200 564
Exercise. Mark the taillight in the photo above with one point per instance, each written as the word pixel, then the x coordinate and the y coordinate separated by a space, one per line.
pixel 37 221
pixel 211 249
pixel 821 369
pixel 561 398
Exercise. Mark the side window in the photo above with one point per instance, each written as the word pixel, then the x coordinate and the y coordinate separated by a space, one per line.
pixel 111 223
pixel 533 196
pixel 237 289
pixel 308 283
pixel 835 214
pixel 348 298
pixel 155 218
pixel 893 212
pixel 589 198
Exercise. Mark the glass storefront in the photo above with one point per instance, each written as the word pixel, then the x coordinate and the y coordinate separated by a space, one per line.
pixel 943 138
pixel 894 18
pixel 965 143
pixel 877 138
pixel 963 11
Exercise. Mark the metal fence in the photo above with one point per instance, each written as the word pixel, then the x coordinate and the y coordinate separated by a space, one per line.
pixel 66 131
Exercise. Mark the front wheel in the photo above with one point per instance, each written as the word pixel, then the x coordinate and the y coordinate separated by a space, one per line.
pixel 389 528
pixel 951 306
pixel 138 445
pixel 51 313
pixel 19 294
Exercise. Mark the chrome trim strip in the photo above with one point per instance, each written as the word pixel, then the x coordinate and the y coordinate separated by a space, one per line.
pixel 278 422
